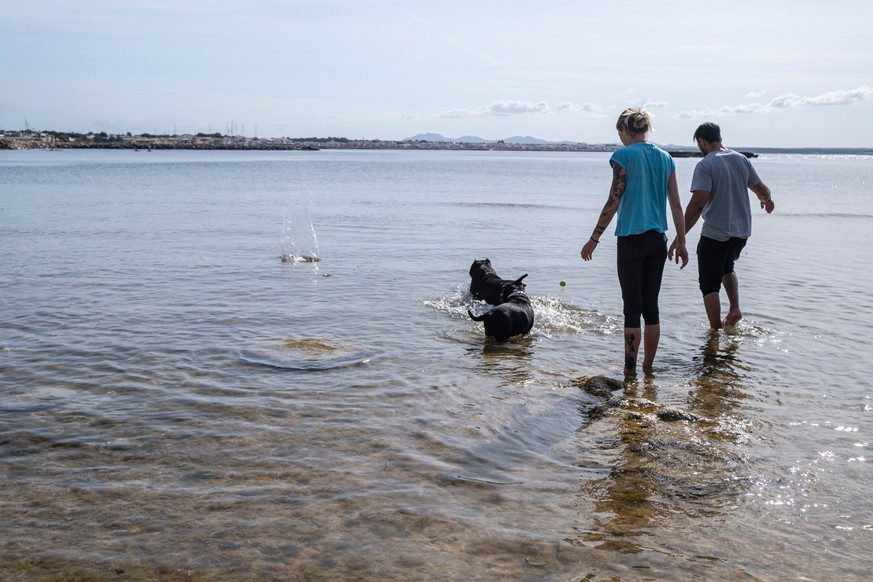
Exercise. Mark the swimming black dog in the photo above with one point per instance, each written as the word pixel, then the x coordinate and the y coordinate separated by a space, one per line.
pixel 514 316
pixel 486 284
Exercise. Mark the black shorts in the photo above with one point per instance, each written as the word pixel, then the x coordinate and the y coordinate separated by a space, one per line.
pixel 641 259
pixel 715 259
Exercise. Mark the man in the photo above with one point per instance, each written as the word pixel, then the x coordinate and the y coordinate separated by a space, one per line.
pixel 719 194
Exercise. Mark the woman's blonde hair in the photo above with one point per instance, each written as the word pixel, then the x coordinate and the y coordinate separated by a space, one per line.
pixel 635 120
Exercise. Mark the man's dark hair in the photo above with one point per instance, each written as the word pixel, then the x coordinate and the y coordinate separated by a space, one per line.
pixel 708 132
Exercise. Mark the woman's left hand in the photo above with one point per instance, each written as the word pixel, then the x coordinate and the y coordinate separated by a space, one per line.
pixel 588 250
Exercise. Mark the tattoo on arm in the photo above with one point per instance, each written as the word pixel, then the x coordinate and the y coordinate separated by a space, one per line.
pixel 619 182
pixel 616 191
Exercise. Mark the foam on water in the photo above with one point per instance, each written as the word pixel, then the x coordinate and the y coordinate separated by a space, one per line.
pixel 552 315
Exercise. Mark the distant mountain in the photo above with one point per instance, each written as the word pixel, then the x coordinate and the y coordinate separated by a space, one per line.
pixel 435 137
pixel 525 139
pixel 428 137
pixel 517 139
pixel 470 139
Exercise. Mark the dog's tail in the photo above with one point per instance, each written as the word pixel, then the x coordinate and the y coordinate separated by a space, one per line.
pixel 482 317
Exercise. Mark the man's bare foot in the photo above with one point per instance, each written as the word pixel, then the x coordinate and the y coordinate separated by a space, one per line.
pixel 732 318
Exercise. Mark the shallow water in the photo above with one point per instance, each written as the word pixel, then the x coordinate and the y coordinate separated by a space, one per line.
pixel 183 400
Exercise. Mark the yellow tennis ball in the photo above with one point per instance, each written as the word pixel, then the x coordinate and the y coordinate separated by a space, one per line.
pixel 563 283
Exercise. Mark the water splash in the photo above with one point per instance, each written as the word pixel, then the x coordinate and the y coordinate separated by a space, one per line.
pixel 299 241
pixel 553 316
pixel 287 257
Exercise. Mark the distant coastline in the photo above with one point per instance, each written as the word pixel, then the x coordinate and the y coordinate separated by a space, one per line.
pixel 52 140
pixel 62 141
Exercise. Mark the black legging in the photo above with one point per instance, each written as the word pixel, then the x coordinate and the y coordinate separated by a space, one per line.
pixel 641 259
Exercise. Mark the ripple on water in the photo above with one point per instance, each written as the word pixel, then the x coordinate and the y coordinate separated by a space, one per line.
pixel 305 354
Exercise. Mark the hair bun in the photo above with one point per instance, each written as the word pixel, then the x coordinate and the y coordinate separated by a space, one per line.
pixel 636 119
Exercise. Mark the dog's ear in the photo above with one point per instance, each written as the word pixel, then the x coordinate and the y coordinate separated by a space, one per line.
pixel 518 281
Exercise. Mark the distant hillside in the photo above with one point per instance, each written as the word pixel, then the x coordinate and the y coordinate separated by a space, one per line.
pixel 470 139
pixel 428 137
pixel 516 139
pixel 526 139
pixel 435 137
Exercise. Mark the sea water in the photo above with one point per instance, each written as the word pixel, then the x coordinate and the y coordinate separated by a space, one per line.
pixel 259 366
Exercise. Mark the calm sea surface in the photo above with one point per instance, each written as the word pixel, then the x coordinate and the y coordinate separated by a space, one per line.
pixel 183 397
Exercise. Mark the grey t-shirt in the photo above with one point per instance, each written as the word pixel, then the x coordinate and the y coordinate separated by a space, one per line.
pixel 726 175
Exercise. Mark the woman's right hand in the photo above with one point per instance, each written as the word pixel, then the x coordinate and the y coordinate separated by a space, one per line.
pixel 678 250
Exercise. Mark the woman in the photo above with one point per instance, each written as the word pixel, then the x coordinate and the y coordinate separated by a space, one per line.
pixel 643 179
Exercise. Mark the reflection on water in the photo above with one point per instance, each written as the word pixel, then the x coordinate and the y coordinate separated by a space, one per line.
pixel 510 362
pixel 673 462
pixel 717 388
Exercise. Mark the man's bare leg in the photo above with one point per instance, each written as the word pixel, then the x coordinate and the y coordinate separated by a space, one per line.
pixel 712 303
pixel 732 289
pixel 651 337
pixel 631 348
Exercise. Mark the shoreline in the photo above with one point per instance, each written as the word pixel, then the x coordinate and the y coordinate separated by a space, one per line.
pixel 315 144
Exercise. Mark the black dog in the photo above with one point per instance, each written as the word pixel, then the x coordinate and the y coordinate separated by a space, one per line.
pixel 486 284
pixel 514 316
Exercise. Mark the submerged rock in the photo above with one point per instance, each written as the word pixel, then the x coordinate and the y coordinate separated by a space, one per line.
pixel 601 386
pixel 633 408
pixel 671 414
pixel 637 408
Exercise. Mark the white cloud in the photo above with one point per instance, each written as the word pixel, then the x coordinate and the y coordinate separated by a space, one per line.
pixel 505 108
pixel 849 97
pixel 577 107
pixel 788 100
pixel 502 108
pixel 785 101
pixel 455 114
pixel 744 109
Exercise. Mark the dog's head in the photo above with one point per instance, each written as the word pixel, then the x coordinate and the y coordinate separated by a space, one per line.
pixel 514 288
pixel 481 267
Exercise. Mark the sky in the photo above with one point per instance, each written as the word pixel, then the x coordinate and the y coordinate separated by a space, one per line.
pixel 771 74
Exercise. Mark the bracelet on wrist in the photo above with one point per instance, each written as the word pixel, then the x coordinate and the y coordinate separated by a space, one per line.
pixel 597 242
